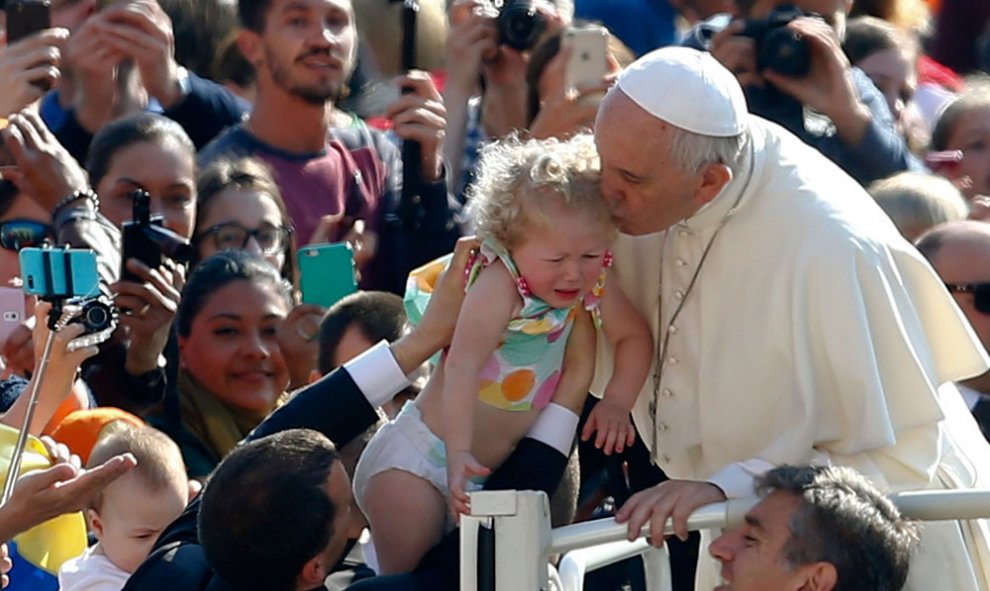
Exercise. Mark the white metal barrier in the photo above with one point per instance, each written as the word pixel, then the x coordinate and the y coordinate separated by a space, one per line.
pixel 506 542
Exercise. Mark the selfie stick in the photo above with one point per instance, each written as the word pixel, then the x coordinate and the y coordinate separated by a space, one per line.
pixel 412 151
pixel 55 324
pixel 13 470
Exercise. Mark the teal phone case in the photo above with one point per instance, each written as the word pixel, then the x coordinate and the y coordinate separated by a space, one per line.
pixel 326 273
pixel 43 271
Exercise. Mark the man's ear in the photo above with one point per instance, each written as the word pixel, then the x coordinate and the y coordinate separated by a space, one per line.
pixel 249 43
pixel 712 179
pixel 314 376
pixel 820 576
pixel 313 573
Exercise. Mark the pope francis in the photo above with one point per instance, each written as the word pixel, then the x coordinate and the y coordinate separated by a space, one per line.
pixel 793 324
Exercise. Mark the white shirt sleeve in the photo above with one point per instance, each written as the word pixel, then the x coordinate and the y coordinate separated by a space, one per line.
pixel 377 374
pixel 555 427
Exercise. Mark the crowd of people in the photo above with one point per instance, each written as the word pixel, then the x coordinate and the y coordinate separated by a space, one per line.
pixel 749 258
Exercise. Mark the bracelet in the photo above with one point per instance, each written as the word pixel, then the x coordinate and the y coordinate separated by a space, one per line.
pixel 87 194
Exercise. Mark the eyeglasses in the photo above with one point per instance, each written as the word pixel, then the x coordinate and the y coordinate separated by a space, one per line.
pixel 22 233
pixel 233 236
pixel 980 291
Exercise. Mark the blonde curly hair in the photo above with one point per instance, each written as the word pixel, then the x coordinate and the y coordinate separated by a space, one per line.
pixel 518 178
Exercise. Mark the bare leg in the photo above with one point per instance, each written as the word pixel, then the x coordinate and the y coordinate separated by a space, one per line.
pixel 407 515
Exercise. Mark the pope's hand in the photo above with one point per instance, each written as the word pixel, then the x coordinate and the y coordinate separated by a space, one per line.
pixel 675 499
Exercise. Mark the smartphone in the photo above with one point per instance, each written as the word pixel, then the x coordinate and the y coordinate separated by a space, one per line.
pixel 27 17
pixel 326 273
pixel 58 272
pixel 11 311
pixel 588 62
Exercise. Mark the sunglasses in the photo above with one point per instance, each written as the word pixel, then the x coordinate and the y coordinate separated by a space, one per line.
pixel 980 291
pixel 22 233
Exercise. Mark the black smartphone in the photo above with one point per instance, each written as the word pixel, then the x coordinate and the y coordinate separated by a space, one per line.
pixel 27 17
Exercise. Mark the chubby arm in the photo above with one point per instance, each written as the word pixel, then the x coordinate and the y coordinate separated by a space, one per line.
pixel 627 331
pixel 629 334
pixel 488 307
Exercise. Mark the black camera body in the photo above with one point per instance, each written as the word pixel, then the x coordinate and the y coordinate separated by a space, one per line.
pixel 778 47
pixel 519 24
pixel 146 240
pixel 96 315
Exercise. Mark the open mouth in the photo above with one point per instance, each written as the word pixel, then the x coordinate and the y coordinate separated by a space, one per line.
pixel 321 62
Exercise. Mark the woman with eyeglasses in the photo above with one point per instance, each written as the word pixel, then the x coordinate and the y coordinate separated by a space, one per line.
pixel 240 208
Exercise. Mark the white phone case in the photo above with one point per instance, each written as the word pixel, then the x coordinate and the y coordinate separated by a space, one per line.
pixel 588 63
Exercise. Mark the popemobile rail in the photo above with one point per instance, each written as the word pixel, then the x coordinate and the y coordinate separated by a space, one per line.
pixel 507 541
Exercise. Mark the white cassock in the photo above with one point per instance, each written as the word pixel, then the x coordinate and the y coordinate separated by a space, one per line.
pixel 814 333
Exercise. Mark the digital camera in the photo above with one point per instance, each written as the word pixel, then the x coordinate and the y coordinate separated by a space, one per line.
pixel 778 47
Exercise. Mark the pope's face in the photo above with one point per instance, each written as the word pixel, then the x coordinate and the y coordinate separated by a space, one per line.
pixel 645 189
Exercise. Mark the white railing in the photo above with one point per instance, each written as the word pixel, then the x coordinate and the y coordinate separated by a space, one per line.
pixel 516 525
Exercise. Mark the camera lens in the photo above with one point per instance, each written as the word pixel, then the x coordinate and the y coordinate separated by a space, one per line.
pixel 520 25
pixel 785 51
pixel 97 318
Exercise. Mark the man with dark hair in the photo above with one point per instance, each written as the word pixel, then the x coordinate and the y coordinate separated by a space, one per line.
pixel 341 181
pixel 257 490
pixel 355 323
pixel 818 528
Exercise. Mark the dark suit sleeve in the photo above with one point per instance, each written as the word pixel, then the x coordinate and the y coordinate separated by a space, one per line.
pixel 334 406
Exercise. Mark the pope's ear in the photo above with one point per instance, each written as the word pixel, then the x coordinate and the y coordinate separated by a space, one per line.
pixel 711 180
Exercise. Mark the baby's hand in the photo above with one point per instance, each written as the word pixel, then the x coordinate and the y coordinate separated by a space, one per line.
pixel 461 467
pixel 615 430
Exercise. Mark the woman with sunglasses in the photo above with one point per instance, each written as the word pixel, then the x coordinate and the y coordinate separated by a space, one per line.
pixel 240 208
pixel 49 201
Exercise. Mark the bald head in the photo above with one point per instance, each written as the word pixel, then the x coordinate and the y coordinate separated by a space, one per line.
pixel 960 254
pixel 959 251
